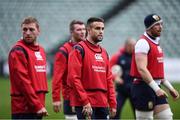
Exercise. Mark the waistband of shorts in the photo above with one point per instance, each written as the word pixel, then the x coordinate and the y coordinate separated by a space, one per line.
pixel 138 80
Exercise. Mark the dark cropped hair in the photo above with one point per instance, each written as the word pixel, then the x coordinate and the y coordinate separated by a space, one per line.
pixel 94 19
pixel 29 20
pixel 71 26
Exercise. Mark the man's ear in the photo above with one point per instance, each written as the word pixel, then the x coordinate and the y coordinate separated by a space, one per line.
pixel 88 29
pixel 39 31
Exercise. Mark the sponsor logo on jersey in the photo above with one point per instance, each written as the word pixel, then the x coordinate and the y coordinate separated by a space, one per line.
pixel 40 68
pixel 98 68
pixel 160 59
pixel 38 56
pixel 159 49
pixel 98 57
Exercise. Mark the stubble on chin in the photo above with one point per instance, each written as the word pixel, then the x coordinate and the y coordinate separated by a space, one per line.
pixel 29 41
pixel 99 39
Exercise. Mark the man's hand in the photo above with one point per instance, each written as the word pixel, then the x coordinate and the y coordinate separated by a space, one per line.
pixel 112 112
pixel 42 112
pixel 87 110
pixel 118 80
pixel 161 93
pixel 57 106
pixel 174 93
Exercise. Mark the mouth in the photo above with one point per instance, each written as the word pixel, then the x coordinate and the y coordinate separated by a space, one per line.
pixel 159 32
pixel 28 37
pixel 82 36
pixel 100 37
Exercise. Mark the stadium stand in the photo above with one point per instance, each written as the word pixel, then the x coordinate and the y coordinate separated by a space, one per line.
pixel 121 22
pixel 130 23
pixel 54 17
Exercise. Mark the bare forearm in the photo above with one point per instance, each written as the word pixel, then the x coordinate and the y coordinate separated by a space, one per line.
pixel 145 74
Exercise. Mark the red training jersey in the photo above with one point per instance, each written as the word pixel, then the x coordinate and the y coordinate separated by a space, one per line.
pixel 155 61
pixel 60 72
pixel 90 76
pixel 27 67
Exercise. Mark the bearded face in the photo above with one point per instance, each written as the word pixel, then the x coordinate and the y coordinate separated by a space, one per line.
pixel 96 31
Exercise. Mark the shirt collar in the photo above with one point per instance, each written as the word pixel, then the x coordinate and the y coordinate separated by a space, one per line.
pixel 156 41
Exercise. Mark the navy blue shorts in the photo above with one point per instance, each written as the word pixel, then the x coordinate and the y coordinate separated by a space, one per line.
pixel 144 98
pixel 98 113
pixel 67 108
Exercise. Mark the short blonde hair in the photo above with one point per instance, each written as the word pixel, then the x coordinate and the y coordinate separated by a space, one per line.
pixel 29 20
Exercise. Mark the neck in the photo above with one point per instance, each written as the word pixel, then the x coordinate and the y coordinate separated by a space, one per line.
pixel 91 40
pixel 150 35
pixel 32 43
pixel 74 40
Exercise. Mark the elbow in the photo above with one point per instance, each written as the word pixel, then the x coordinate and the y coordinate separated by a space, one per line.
pixel 141 70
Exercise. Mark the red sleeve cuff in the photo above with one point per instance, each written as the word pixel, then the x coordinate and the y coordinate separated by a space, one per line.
pixel 56 99
pixel 85 102
pixel 38 107
pixel 113 105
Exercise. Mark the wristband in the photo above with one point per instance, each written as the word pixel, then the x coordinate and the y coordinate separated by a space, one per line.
pixel 154 86
pixel 168 85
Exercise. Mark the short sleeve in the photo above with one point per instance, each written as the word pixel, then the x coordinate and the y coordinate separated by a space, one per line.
pixel 142 46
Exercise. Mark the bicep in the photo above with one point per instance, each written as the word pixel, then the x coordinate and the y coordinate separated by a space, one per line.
pixel 141 60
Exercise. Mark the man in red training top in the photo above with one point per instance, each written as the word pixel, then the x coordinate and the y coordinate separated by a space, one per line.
pixel 27 66
pixel 77 31
pixel 90 75
pixel 147 68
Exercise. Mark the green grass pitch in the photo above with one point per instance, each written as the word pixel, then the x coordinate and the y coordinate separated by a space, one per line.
pixel 126 114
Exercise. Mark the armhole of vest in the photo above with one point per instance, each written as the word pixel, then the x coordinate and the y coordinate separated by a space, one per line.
pixel 81 49
pixel 149 47
pixel 20 48
pixel 65 53
pixel 107 55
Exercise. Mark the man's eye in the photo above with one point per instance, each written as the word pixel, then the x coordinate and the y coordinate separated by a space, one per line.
pixel 31 29
pixel 25 29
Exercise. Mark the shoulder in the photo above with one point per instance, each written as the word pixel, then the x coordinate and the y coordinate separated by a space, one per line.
pixel 142 46
pixel 105 52
pixel 42 48
pixel 81 43
pixel 141 42
pixel 103 48
pixel 18 50
pixel 66 45
pixel 17 47
pixel 79 47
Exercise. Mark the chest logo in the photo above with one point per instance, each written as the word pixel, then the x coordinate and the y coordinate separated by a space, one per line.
pixel 98 57
pixel 38 56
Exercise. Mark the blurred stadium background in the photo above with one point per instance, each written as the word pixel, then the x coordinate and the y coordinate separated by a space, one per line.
pixel 124 18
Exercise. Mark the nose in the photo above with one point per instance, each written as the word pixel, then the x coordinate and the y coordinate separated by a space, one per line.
pixel 28 31
pixel 101 31
pixel 83 31
pixel 161 25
